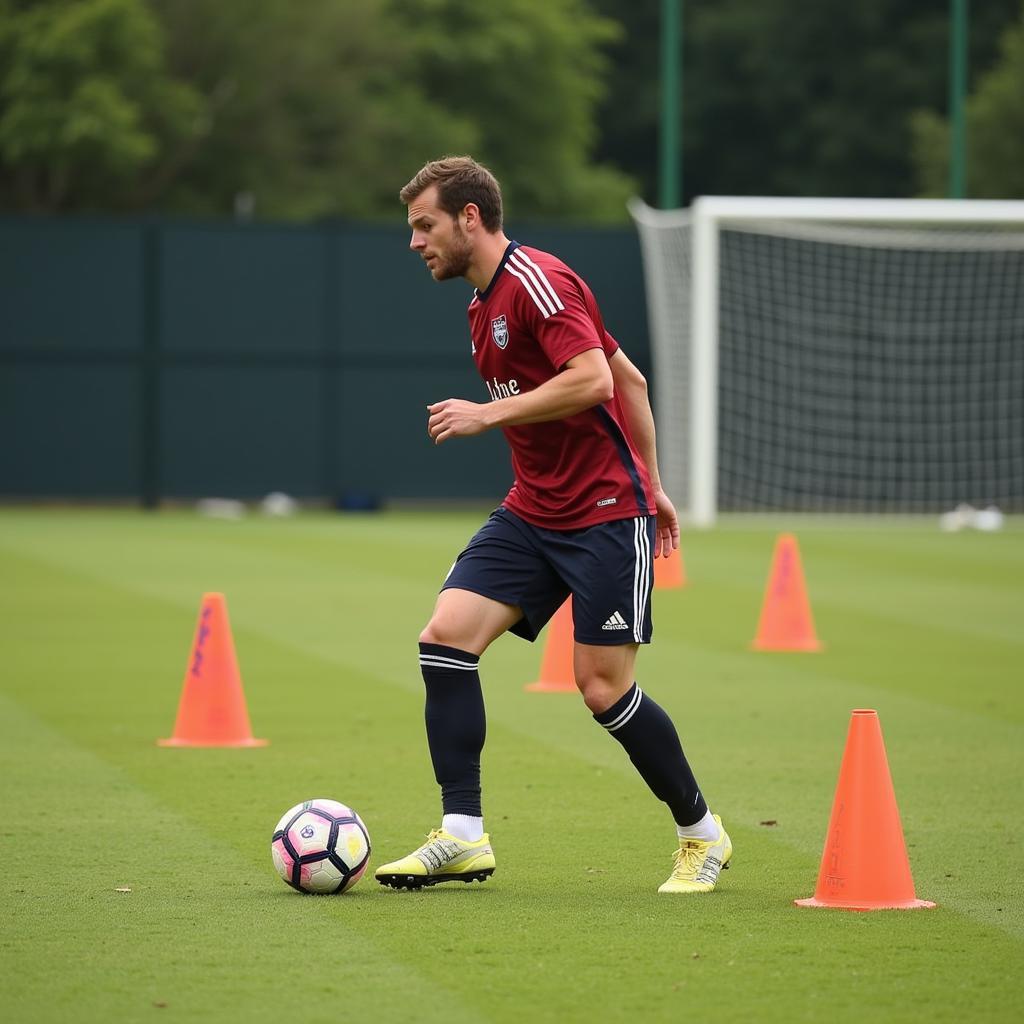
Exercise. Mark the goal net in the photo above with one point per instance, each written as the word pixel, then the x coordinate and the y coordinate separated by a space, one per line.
pixel 825 355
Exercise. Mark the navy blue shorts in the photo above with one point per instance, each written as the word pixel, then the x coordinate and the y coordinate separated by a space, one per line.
pixel 607 568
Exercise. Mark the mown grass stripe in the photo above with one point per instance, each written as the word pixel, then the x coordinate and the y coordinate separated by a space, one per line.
pixel 570 927
pixel 202 932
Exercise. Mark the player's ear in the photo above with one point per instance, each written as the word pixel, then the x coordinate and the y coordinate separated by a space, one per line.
pixel 470 215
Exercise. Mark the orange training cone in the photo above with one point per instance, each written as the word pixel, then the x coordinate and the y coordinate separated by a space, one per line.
pixel 669 573
pixel 864 865
pixel 556 672
pixel 212 710
pixel 786 623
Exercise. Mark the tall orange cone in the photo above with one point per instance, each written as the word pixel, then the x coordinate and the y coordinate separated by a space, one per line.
pixel 786 623
pixel 556 671
pixel 669 573
pixel 212 712
pixel 864 865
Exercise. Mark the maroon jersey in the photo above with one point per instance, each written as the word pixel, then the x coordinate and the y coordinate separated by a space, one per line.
pixel 534 316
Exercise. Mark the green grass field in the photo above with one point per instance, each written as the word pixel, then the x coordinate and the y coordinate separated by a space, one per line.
pixel 98 612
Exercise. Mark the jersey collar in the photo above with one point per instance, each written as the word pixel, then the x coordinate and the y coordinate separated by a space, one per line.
pixel 481 296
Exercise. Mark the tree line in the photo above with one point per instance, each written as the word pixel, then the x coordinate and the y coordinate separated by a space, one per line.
pixel 324 108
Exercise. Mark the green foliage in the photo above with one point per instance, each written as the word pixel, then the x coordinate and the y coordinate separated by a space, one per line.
pixel 994 128
pixel 314 107
pixel 326 107
pixel 86 105
pixel 789 97
pixel 809 98
pixel 530 76
pixel 323 108
pixel 930 132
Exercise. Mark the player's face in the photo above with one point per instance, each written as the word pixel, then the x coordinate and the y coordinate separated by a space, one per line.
pixel 438 238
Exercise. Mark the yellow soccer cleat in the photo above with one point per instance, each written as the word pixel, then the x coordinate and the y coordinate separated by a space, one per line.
pixel 442 858
pixel 697 864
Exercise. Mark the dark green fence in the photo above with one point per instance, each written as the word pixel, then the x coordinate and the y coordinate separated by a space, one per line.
pixel 175 360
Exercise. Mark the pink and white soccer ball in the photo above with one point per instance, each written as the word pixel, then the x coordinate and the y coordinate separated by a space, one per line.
pixel 320 846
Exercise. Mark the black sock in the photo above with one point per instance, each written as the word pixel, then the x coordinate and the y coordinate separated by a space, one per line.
pixel 456 725
pixel 652 743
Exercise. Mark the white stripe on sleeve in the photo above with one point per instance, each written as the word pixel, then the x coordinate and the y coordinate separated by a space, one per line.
pixel 540 276
pixel 545 305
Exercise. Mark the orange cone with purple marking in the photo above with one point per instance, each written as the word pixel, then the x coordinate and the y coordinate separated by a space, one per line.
pixel 864 865
pixel 212 711
pixel 786 623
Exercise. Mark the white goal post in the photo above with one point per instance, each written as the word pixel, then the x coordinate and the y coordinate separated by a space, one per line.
pixel 860 355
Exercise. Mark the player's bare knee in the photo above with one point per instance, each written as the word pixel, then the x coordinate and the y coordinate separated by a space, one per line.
pixel 598 693
pixel 447 633
pixel 432 633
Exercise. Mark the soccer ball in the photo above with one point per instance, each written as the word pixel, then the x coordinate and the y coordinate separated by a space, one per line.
pixel 320 846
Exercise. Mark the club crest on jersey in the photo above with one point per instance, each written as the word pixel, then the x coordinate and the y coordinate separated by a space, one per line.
pixel 499 331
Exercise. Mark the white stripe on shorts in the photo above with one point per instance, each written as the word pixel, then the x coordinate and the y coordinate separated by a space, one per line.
pixel 641 576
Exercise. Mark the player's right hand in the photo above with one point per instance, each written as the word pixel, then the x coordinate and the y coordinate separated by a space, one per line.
pixel 666 529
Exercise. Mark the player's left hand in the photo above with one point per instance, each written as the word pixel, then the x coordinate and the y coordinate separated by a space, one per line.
pixel 455 417
pixel 666 529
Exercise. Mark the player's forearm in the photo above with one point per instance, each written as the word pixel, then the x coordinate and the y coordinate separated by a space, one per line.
pixel 636 407
pixel 571 392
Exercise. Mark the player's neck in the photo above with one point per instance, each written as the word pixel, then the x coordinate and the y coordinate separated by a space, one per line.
pixel 490 250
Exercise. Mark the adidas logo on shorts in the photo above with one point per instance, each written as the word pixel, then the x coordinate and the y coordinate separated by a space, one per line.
pixel 616 621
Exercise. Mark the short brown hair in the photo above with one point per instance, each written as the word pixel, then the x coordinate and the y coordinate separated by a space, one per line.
pixel 459 180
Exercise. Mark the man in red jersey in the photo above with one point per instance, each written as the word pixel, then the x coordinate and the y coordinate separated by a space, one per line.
pixel 585 515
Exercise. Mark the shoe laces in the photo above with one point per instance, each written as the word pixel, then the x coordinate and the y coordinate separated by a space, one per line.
pixel 439 849
pixel 689 858
pixel 432 836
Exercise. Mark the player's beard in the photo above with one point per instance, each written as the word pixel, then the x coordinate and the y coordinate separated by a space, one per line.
pixel 455 263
